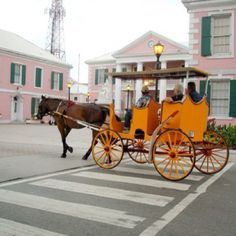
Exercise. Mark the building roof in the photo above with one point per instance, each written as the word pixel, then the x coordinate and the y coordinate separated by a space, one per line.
pixel 13 43
pixel 106 58
pixel 176 48
pixel 204 4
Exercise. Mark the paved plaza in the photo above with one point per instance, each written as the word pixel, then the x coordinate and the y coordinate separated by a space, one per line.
pixel 32 149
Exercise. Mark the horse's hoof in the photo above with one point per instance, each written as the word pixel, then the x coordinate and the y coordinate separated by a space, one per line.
pixel 84 158
pixel 70 149
pixel 63 155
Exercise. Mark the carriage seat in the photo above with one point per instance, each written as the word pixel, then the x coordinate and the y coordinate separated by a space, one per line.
pixel 115 123
pixel 191 117
pixel 144 120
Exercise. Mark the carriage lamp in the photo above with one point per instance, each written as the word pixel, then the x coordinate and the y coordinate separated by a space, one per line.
pixel 128 90
pixel 158 49
pixel 69 84
pixel 88 95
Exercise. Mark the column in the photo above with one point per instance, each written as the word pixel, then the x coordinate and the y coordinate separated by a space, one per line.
pixel 139 83
pixel 118 91
pixel 186 64
pixel 162 84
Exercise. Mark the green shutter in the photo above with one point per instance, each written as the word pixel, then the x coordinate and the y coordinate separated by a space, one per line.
pixel 206 36
pixel 33 102
pixel 12 78
pixel 113 79
pixel 61 81
pixel 38 77
pixel 52 80
pixel 23 74
pixel 124 69
pixel 202 90
pixel 96 76
pixel 106 75
pixel 232 108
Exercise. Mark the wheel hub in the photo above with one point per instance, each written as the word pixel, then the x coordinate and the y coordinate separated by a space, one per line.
pixel 172 154
pixel 106 149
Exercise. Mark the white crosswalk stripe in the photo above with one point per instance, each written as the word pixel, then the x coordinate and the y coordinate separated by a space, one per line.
pixel 151 166
pixel 125 195
pixel 152 172
pixel 94 213
pixel 135 180
pixel 11 228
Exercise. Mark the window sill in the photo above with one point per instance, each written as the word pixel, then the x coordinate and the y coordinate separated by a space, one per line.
pixel 220 117
pixel 224 56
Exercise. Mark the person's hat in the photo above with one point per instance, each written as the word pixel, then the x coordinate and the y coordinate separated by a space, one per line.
pixel 145 89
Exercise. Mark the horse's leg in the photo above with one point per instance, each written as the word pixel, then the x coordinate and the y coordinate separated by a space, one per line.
pixel 63 138
pixel 67 131
pixel 85 157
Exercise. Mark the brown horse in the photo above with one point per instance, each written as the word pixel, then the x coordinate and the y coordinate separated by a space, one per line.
pixel 89 112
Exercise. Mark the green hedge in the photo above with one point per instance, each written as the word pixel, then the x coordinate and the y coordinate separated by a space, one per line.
pixel 227 132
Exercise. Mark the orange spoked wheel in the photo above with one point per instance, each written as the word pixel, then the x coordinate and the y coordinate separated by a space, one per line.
pixel 138 150
pixel 212 154
pixel 173 155
pixel 107 149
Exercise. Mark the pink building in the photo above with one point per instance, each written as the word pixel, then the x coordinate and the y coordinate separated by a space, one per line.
pixel 212 45
pixel 26 73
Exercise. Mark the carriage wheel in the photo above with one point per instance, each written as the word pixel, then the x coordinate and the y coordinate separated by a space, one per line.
pixel 107 149
pixel 173 155
pixel 138 150
pixel 213 153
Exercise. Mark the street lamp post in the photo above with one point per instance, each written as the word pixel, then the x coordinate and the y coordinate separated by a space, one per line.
pixel 88 95
pixel 128 89
pixel 69 84
pixel 158 50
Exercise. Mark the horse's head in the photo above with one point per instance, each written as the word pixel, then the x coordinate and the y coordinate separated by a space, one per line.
pixel 43 108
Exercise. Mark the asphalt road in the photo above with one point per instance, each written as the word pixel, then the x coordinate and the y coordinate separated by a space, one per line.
pixel 131 199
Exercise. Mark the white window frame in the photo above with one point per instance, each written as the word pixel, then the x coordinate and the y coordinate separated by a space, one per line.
pixel 221 79
pixel 231 53
pixel 101 75
pixel 19 76
pixel 56 81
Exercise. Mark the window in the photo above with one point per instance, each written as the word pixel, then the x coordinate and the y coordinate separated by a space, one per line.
pixel 18 74
pixel 220 93
pixel 221 33
pixel 34 106
pixel 101 76
pixel 56 80
pixel 38 78
pixel 216 35
pixel 113 79
pixel 221 97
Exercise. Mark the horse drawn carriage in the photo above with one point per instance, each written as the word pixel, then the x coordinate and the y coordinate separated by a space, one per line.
pixel 175 141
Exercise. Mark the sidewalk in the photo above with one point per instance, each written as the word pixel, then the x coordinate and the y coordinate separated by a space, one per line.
pixel 34 149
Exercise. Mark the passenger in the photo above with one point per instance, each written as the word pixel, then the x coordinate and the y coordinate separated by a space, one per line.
pixel 142 102
pixel 191 91
pixel 178 94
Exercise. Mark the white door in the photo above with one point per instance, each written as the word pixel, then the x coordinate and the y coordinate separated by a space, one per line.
pixel 15 108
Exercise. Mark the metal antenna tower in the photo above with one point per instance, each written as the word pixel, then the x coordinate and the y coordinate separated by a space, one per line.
pixel 55 38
